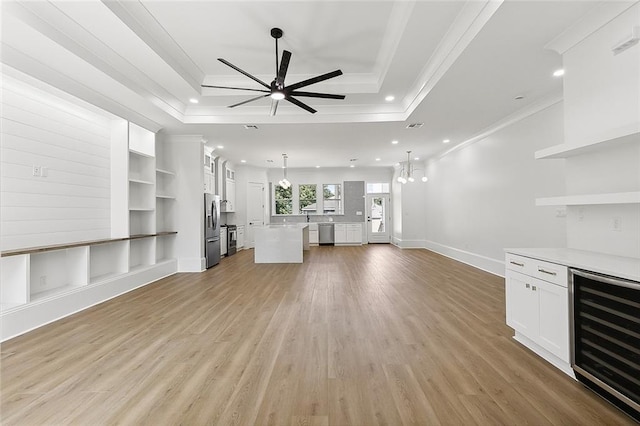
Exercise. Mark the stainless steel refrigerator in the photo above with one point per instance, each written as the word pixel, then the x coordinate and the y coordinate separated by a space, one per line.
pixel 212 229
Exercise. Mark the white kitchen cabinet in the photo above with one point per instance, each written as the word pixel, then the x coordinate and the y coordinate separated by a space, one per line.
pixel 340 233
pixel 354 233
pixel 537 300
pixel 223 241
pixel 348 233
pixel 240 238
pixel 313 234
pixel 229 204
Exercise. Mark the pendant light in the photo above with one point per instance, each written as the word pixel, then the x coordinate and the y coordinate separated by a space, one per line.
pixel 407 173
pixel 284 182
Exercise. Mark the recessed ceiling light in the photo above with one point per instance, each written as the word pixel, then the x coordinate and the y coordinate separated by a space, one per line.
pixel 416 158
pixel 389 98
pixel 193 100
pixel 377 159
pixel 394 142
pixel 317 167
pixel 446 141
pixel 220 146
pixel 243 161
pixel 352 166
pixel 558 73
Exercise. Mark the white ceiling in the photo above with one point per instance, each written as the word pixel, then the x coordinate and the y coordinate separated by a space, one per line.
pixel 455 66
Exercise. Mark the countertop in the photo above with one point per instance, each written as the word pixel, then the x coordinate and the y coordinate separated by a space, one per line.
pixel 616 266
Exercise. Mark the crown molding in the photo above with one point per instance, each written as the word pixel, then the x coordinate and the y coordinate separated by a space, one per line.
pixel 526 112
pixel 595 19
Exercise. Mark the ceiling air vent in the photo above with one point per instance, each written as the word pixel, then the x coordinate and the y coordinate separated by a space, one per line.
pixel 415 125
pixel 251 127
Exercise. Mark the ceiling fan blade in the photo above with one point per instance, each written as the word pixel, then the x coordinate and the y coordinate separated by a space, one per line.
pixel 274 107
pixel 284 65
pixel 317 95
pixel 235 88
pixel 314 80
pixel 248 100
pixel 229 64
pixel 300 104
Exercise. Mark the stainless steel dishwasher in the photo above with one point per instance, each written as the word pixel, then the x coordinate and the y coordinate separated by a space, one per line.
pixel 326 235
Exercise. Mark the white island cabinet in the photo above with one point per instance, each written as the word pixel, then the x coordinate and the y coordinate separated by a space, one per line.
pixel 281 243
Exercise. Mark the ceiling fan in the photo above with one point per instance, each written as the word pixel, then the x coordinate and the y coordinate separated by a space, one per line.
pixel 277 89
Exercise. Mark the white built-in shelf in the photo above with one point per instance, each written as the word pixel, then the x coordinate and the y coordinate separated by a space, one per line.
pixel 141 181
pixel 141 209
pixel 141 154
pixel 591 199
pixel 165 172
pixel 566 150
pixel 166 197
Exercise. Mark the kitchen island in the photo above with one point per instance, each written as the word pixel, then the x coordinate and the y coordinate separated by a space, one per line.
pixel 281 243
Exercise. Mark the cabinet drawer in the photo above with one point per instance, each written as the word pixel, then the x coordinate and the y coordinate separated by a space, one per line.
pixel 517 263
pixel 547 271
pixel 551 272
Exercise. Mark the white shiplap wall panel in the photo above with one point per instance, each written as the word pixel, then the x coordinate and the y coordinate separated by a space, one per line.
pixel 72 203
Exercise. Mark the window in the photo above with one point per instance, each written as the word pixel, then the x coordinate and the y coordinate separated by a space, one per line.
pixel 283 199
pixel 332 198
pixel 308 201
pixel 377 188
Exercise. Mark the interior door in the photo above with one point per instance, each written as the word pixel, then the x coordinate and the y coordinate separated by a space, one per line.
pixel 255 211
pixel 378 218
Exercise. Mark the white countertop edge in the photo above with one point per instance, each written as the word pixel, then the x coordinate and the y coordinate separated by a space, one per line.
pixel 607 264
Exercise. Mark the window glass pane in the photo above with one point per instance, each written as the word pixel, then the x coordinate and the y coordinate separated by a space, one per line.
pixel 284 200
pixel 308 199
pixel 332 196
pixel 377 188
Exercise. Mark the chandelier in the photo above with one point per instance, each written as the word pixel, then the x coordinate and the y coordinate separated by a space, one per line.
pixel 284 182
pixel 407 173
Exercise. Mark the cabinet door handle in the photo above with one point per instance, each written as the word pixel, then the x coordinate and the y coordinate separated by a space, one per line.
pixel 546 272
pixel 516 263
pixel 534 288
pixel 527 285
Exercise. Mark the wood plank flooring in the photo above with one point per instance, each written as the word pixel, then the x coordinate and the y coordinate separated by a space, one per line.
pixel 369 335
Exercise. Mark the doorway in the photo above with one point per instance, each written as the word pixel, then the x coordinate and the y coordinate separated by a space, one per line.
pixel 255 211
pixel 378 218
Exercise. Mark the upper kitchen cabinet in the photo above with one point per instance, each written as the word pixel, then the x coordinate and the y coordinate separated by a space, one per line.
pixel 229 189
pixel 209 172
pixel 225 184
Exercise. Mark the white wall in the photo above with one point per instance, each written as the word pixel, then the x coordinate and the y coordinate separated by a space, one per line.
pixel 72 142
pixel 244 175
pixel 332 174
pixel 187 153
pixel 481 199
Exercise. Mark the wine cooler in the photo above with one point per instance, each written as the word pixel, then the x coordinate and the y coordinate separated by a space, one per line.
pixel 605 337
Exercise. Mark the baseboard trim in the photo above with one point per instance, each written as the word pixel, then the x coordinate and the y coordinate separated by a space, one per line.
pixel 25 318
pixel 487 264
pixel 192 264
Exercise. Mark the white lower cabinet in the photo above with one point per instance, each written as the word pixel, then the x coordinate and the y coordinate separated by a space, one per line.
pixel 348 233
pixel 223 240
pixel 538 309
pixel 240 238
pixel 313 234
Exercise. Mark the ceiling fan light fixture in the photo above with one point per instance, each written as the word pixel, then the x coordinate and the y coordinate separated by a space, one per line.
pixel 278 96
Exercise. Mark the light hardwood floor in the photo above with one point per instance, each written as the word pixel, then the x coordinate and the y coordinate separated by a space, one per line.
pixel 354 336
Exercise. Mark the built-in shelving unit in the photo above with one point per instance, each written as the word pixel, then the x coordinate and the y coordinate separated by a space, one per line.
pixel 43 284
pixel 591 199
pixel 565 150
